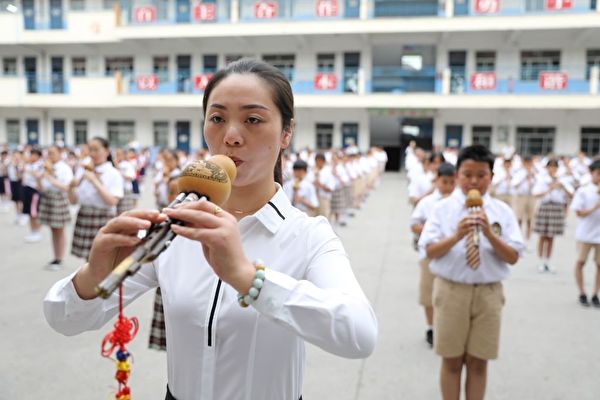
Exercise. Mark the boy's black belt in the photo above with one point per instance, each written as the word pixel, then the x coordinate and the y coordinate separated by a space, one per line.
pixel 169 396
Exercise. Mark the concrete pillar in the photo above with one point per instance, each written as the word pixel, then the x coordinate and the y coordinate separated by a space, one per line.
pixel 449 8
pixel 234 12
pixel 446 80
pixel 364 9
pixel 594 78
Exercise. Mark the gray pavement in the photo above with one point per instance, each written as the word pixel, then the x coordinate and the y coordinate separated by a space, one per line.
pixel 550 346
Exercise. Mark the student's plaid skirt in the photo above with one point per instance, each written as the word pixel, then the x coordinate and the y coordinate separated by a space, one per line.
pixel 54 209
pixel 158 334
pixel 88 223
pixel 127 202
pixel 338 201
pixel 550 219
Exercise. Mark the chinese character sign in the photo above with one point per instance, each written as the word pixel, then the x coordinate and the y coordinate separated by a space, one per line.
pixel 558 4
pixel 487 6
pixel 204 11
pixel 325 81
pixel 553 80
pixel 200 81
pixel 265 9
pixel 327 8
pixel 147 82
pixel 144 14
pixel 483 81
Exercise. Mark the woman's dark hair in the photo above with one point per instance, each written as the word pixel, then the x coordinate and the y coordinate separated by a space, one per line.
pixel 104 144
pixel 437 155
pixel 478 153
pixel 280 89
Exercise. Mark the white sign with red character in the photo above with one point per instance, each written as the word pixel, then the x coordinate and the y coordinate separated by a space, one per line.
pixel 204 11
pixel 483 81
pixel 325 81
pixel 559 4
pixel 553 80
pixel 487 6
pixel 200 81
pixel 144 14
pixel 327 8
pixel 147 82
pixel 265 9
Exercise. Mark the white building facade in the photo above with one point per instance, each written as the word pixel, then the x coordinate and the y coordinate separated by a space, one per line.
pixel 522 73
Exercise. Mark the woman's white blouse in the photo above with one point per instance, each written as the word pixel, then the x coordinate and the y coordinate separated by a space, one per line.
pixel 111 179
pixel 218 350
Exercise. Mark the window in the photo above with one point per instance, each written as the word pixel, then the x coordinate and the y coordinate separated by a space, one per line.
pixel 534 62
pixel 210 64
pixel 120 133
pixel 80 128
pixel 590 141
pixel 283 62
pixel 160 68
pixel 13 131
pixel 326 63
pixel 593 58
pixel 535 5
pixel 482 135
pixel 109 4
pixel 351 66
pixel 324 136
pixel 161 134
pixel 77 5
pixel 535 140
pixel 485 61
pixel 122 64
pixel 9 66
pixel 78 66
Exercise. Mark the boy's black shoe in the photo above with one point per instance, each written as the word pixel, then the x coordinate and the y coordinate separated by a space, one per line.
pixel 429 337
pixel 584 301
pixel 596 301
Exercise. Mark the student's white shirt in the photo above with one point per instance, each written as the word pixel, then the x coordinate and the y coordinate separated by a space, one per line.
pixel 29 171
pixel 306 190
pixel 127 170
pixel 163 187
pixel 453 266
pixel 111 179
pixel 588 228
pixel 62 173
pixel 422 212
pixel 326 179
pixel 522 182
pixel 501 182
pixel 420 185
pixel 14 170
pixel 542 184
pixel 309 294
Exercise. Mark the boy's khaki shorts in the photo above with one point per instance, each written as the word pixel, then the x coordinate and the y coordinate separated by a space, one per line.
pixel 524 207
pixel 583 251
pixel 425 284
pixel 466 318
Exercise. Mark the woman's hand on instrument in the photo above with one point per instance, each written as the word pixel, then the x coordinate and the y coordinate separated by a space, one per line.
pixel 219 234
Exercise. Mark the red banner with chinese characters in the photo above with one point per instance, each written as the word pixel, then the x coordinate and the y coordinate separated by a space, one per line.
pixel 265 9
pixel 200 81
pixel 483 81
pixel 559 4
pixel 147 82
pixel 327 8
pixel 204 11
pixel 144 14
pixel 487 6
pixel 553 80
pixel 325 81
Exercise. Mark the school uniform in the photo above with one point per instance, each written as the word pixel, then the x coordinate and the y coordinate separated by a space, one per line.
pixel 524 201
pixel 587 233
pixel 4 182
pixel 306 190
pixel 468 302
pixel 550 216
pixel 31 196
pixel 339 202
pixel 419 186
pixel 93 212
pixel 501 186
pixel 15 173
pixel 54 202
pixel 325 178
pixel 418 217
pixel 129 199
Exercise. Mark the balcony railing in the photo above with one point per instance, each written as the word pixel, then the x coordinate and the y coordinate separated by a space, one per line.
pixel 403 80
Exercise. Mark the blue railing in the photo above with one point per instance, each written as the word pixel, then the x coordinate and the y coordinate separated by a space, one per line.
pixel 53 86
pixel 396 8
pixel 403 80
pixel 274 10
pixel 515 86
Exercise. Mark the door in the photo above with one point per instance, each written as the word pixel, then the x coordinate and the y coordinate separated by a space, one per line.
pixel 182 130
pixel 28 14
pixel 352 8
pixel 58 131
pixel 419 130
pixel 184 74
pixel 57 75
pixel 458 71
pixel 454 136
pixel 351 65
pixel 56 14
pixel 31 74
pixel 182 14
pixel 349 134
pixel 33 132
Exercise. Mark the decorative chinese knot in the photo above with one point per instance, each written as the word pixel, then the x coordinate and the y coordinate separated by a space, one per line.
pixel 124 331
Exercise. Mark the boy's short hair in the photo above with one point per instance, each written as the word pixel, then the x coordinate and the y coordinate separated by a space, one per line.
pixel 478 153
pixel 37 151
pixel 435 155
pixel 300 164
pixel 527 158
pixel 553 162
pixel 446 169
pixel 320 156
pixel 595 166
